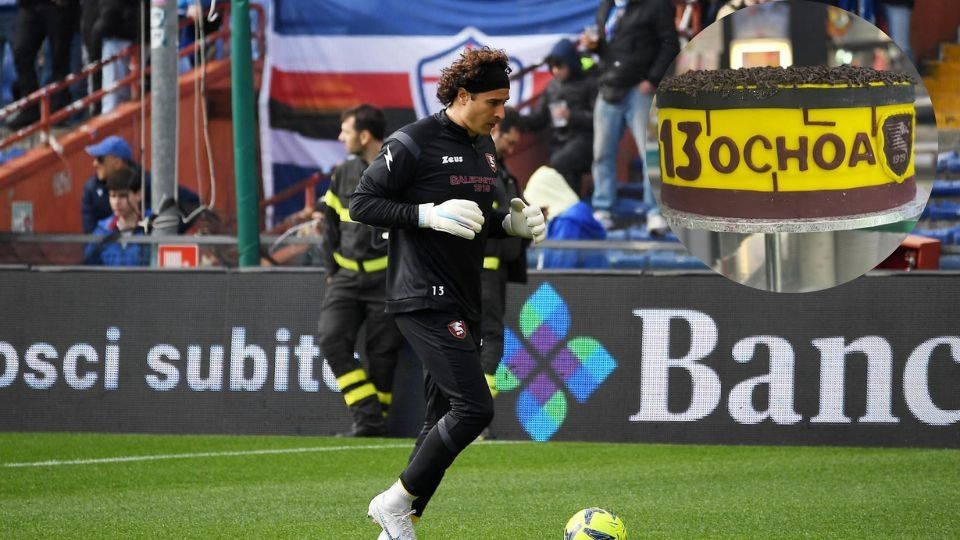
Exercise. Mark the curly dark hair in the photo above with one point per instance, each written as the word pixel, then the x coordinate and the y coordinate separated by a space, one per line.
pixel 469 66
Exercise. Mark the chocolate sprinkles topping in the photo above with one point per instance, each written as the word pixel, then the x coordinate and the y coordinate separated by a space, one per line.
pixel 762 82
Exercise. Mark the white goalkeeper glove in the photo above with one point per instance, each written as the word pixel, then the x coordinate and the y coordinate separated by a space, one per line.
pixel 525 221
pixel 458 217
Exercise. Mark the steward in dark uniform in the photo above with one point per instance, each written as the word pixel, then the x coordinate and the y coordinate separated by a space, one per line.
pixel 433 185
pixel 504 259
pixel 355 256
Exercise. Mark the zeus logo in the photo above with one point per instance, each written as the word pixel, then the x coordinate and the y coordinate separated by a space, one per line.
pixel 388 158
pixel 452 159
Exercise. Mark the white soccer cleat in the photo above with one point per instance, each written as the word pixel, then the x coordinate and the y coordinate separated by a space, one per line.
pixel 395 525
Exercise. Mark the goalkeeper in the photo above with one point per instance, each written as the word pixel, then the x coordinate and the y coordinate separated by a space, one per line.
pixel 433 185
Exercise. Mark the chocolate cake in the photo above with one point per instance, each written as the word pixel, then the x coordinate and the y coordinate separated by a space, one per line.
pixel 788 144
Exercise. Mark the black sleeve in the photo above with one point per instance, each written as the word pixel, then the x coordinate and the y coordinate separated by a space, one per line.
pixel 582 119
pixel 539 118
pixel 669 43
pixel 375 202
pixel 331 229
pixel 187 199
pixel 87 208
pixel 91 254
pixel 496 224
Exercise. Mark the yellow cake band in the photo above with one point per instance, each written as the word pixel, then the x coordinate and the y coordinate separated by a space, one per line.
pixel 808 150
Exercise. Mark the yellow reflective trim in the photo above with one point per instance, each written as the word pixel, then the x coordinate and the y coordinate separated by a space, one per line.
pixel 353 377
pixel 375 265
pixel 492 384
pixel 344 262
pixel 357 394
pixel 334 202
pixel 752 134
pixel 491 263
pixel 385 398
pixel 371 265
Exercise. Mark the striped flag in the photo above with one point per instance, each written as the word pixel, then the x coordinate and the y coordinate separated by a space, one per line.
pixel 324 56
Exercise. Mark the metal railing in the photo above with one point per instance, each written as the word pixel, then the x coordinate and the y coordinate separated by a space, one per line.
pixel 43 96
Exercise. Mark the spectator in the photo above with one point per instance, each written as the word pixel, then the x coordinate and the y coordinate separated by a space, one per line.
pixel 568 218
pixel 735 5
pixel 898 14
pixel 8 26
pixel 567 104
pixel 636 41
pixel 92 45
pixel 504 259
pixel 117 27
pixel 190 11
pixel 867 9
pixel 109 155
pixel 123 187
pixel 39 20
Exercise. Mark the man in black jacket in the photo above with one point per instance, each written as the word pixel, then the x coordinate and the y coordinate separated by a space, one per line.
pixel 504 260
pixel 433 185
pixel 355 256
pixel 54 21
pixel 567 105
pixel 636 41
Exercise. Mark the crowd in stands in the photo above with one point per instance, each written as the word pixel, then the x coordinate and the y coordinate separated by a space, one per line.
pixel 602 84
pixel 49 39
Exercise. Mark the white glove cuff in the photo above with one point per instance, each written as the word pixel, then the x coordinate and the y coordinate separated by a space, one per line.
pixel 423 217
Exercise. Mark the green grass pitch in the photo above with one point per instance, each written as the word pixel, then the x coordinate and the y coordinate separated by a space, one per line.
pixel 151 486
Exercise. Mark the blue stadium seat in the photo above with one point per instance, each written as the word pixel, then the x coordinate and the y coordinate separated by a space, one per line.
pixel 945 188
pixel 628 209
pixel 945 236
pixel 627 260
pixel 941 210
pixel 640 233
pixel 671 260
pixel 950 262
pixel 7 155
pixel 948 162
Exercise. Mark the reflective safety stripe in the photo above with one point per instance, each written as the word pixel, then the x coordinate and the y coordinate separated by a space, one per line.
pixel 357 394
pixel 334 202
pixel 370 265
pixel 386 398
pixel 491 263
pixel 492 384
pixel 351 378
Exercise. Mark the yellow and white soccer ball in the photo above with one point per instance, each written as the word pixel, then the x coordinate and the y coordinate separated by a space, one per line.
pixel 595 524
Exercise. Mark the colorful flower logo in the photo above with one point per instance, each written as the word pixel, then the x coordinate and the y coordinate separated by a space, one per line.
pixel 547 366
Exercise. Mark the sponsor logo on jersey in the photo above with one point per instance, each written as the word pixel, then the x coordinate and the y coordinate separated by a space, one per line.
pixel 452 159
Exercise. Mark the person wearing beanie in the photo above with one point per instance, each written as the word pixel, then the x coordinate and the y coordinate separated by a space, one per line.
pixel 566 106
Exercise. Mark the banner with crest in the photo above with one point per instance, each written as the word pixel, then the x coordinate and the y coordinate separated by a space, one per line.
pixel 324 56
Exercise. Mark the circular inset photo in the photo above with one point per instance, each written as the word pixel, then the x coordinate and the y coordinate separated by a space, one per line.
pixel 795 152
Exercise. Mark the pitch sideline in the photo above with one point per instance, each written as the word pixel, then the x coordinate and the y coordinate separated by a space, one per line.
pixel 155 457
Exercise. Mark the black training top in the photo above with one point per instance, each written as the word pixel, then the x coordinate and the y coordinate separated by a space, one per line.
pixel 430 161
